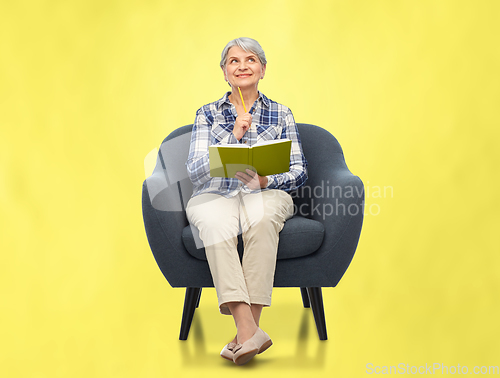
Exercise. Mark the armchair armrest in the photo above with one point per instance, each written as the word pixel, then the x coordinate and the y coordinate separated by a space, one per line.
pixel 337 201
pixel 164 219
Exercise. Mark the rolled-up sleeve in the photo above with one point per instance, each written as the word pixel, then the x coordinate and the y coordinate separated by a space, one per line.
pixel 297 175
pixel 198 163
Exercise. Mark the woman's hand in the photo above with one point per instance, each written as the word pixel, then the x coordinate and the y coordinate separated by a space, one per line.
pixel 252 179
pixel 241 125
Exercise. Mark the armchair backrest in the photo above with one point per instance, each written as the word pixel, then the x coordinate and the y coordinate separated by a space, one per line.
pixel 324 156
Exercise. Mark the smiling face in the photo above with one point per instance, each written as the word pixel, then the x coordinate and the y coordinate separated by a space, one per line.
pixel 243 68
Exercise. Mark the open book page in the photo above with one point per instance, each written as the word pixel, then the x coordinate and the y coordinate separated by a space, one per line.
pixel 265 158
pixel 271 157
pixel 233 145
pixel 226 160
pixel 272 141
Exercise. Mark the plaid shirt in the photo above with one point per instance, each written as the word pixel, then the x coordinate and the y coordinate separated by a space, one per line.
pixel 214 125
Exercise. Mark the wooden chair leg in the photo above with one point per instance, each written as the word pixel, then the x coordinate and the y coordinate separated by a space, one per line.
pixel 190 303
pixel 305 297
pixel 316 300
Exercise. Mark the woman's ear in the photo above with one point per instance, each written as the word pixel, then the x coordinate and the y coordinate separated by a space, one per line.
pixel 263 71
pixel 225 73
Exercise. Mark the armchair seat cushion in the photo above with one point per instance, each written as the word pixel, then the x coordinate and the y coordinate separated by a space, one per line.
pixel 300 237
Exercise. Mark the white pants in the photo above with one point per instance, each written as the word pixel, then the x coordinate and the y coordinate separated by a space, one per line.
pixel 259 217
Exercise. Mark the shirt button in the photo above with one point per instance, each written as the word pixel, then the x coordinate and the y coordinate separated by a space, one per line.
pixel 246 141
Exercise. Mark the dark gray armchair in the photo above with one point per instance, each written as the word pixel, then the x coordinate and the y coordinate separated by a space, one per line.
pixel 316 245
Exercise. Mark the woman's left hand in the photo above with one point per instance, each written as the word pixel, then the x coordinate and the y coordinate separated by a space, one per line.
pixel 252 179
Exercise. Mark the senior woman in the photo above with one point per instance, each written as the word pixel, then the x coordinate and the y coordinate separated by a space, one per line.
pixel 255 206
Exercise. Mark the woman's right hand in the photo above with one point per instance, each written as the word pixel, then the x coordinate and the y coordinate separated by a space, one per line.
pixel 241 125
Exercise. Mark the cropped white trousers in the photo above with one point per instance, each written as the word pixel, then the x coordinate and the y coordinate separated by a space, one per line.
pixel 259 217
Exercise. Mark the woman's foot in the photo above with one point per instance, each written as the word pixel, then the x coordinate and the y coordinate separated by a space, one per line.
pixel 228 351
pixel 245 333
pixel 258 343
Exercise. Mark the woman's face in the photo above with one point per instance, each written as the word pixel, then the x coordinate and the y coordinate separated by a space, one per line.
pixel 243 68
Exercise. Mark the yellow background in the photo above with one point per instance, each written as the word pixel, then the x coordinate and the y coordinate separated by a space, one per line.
pixel 88 88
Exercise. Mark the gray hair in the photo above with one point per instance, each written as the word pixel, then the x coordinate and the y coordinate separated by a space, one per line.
pixel 247 44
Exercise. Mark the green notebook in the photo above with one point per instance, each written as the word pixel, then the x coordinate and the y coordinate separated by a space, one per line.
pixel 265 158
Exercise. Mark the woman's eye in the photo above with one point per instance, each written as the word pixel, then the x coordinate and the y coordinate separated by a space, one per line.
pixel 251 60
pixel 233 60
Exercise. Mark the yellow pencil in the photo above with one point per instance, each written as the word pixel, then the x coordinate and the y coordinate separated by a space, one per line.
pixel 244 107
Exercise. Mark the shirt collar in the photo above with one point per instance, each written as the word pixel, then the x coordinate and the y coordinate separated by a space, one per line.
pixel 225 100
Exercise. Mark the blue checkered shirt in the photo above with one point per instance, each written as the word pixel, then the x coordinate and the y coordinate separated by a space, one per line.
pixel 214 126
